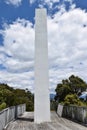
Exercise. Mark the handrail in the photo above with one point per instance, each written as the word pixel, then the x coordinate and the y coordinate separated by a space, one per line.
pixel 77 113
pixel 11 113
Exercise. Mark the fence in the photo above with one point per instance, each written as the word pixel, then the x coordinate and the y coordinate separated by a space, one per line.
pixel 11 113
pixel 73 112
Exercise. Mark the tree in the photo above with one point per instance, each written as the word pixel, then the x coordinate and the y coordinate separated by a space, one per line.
pixel 6 96
pixel 10 97
pixel 24 96
pixel 72 85
pixel 62 90
pixel 77 84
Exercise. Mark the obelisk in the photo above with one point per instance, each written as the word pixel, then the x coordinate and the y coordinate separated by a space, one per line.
pixel 42 99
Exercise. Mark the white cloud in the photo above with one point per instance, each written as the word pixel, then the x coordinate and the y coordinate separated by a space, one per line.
pixel 17 80
pixel 67 44
pixel 50 3
pixel 13 2
pixel 67 49
pixel 17 54
pixel 19 45
pixel 32 1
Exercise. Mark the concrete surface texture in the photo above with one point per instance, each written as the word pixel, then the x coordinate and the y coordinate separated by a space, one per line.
pixel 25 122
pixel 9 114
pixel 77 113
pixel 42 99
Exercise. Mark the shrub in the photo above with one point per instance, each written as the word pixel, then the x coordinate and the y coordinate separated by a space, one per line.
pixel 3 106
pixel 73 99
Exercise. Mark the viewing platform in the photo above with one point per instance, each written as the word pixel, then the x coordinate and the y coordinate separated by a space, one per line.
pixel 26 122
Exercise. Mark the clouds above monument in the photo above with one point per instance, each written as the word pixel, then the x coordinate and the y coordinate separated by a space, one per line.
pixel 67 43
pixel 13 2
pixel 52 4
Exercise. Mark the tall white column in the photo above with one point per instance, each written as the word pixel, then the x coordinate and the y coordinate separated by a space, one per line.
pixel 42 99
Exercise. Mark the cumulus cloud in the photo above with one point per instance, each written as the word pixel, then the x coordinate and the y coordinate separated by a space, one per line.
pixel 17 54
pixel 17 80
pixel 32 1
pixel 49 1
pixel 19 45
pixel 67 42
pixel 52 4
pixel 13 2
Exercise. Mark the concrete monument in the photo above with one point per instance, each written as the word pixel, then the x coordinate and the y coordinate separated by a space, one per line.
pixel 42 99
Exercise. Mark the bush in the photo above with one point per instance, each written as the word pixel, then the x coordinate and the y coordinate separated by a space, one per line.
pixel 2 106
pixel 73 99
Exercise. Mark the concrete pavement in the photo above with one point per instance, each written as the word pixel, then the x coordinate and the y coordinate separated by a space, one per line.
pixel 25 122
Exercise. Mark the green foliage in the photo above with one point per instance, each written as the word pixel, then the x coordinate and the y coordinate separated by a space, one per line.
pixel 7 96
pixel 53 105
pixel 73 85
pixel 77 84
pixel 16 96
pixel 2 106
pixel 62 90
pixel 29 105
pixel 72 99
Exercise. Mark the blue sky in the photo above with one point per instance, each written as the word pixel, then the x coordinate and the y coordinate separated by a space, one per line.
pixel 67 40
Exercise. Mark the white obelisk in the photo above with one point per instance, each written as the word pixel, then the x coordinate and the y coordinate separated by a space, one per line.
pixel 42 100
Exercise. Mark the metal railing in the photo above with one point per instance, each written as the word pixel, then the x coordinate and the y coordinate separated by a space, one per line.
pixel 9 114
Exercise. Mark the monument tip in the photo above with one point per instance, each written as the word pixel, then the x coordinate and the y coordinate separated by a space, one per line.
pixel 42 10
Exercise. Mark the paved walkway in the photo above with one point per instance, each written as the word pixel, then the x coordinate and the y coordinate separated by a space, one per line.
pixel 25 122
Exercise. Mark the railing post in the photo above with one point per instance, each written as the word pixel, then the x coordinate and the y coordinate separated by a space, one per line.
pixel 15 112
